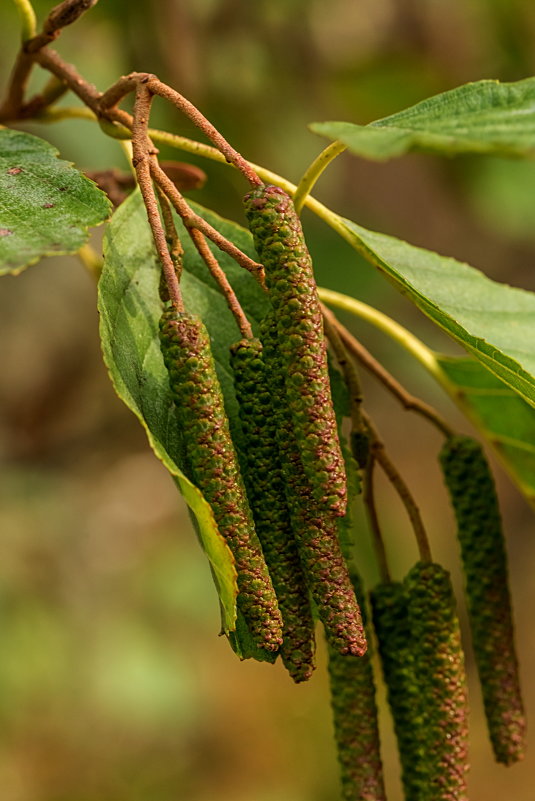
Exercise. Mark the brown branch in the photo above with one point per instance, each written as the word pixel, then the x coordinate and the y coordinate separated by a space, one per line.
pixel 213 265
pixel 61 15
pixel 18 82
pixel 371 510
pixel 142 153
pixel 89 94
pixel 176 251
pixel 91 97
pixel 346 365
pixel 394 476
pixel 408 401
pixel 50 93
pixel 127 83
pixel 192 220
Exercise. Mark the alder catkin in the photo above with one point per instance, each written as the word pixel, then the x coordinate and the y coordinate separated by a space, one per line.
pixel 389 604
pixel 439 666
pixel 265 489
pixel 281 247
pixel 316 532
pixel 185 345
pixel 473 496
pixel 355 720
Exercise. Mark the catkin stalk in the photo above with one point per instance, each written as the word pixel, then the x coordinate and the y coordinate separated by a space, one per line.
pixel 265 487
pixel 475 503
pixel 214 466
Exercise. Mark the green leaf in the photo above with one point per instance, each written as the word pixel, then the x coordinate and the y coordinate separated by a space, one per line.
pixel 481 117
pixel 494 322
pixel 46 205
pixel 504 419
pixel 130 311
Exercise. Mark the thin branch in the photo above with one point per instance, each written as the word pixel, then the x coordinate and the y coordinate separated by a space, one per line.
pixel 176 251
pixel 124 85
pixel 88 93
pixel 49 94
pixel 346 365
pixel 192 220
pixel 394 476
pixel 312 173
pixel 408 401
pixel 230 296
pixel 141 157
pixel 52 61
pixel 373 519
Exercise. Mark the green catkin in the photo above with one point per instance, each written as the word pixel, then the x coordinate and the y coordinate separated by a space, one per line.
pixel 473 495
pixel 265 489
pixel 389 604
pixel 185 345
pixel 356 725
pixel 316 533
pixel 439 666
pixel 281 248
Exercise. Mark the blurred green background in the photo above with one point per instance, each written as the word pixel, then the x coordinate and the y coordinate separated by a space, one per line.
pixel 113 681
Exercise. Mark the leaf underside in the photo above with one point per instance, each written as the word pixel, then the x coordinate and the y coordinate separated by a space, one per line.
pixel 482 117
pixel 46 204
pixel 494 322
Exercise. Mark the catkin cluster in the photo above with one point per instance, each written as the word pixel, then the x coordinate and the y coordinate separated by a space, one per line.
pixel 281 508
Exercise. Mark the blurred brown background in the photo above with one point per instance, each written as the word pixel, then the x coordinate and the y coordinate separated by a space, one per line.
pixel 113 682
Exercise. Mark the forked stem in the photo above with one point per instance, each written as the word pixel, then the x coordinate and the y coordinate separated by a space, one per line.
pixel 127 84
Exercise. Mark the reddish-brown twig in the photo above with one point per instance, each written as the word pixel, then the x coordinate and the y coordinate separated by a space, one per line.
pixel 60 16
pixel 379 453
pixel 127 84
pixel 142 153
pixel 91 97
pixel 215 269
pixel 346 365
pixel 408 401
pixel 176 251
pixel 373 519
pixel 193 220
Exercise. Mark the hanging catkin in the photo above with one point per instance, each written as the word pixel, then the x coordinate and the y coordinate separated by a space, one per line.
pixel 355 722
pixel 396 649
pixel 282 249
pixel 265 488
pixel 315 531
pixel 198 398
pixel 439 667
pixel 473 496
